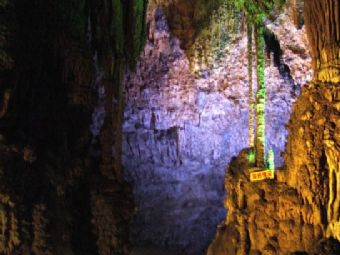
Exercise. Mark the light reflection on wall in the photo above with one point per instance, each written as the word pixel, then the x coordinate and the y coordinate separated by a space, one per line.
pixel 180 132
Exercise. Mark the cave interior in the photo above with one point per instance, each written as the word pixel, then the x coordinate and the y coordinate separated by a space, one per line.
pixel 169 127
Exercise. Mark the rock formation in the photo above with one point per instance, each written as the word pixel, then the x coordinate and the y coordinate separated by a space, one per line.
pixel 61 190
pixel 181 126
pixel 298 212
pixel 92 132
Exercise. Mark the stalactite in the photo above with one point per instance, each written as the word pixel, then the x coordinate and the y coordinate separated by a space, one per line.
pixel 260 97
pixel 313 160
pixel 106 136
pixel 251 135
pixel 256 12
pixel 213 42
pixel 40 245
pixel 323 29
pixel 122 42
pixel 6 27
pixel 333 167
pixel 127 43
pixel 55 77
pixel 117 27
pixel 14 240
pixel 137 30
pixel 295 15
pixel 118 115
pixel 9 236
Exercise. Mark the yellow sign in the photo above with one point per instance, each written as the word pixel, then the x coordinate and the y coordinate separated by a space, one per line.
pixel 261 175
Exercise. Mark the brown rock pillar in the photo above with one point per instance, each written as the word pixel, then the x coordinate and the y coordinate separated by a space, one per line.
pixel 323 28
pixel 313 152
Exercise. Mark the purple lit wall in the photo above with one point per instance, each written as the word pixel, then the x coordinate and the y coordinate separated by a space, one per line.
pixel 180 132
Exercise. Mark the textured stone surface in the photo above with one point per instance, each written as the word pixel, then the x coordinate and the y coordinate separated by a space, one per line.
pixel 300 209
pixel 314 156
pixel 186 18
pixel 294 44
pixel 60 191
pixel 269 217
pixel 181 129
pixel 298 212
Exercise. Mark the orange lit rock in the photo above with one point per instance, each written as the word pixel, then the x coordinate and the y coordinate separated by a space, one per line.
pixel 268 217
pixel 307 194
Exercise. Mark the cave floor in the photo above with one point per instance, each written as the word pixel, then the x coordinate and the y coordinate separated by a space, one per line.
pixel 152 251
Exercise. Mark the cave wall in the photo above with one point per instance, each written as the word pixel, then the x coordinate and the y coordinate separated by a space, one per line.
pixel 62 128
pixel 315 117
pixel 182 127
pixel 61 189
pixel 298 211
pixel 186 18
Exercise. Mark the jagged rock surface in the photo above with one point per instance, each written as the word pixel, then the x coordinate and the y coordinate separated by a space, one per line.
pixel 300 209
pixel 314 156
pixel 268 217
pixel 298 212
pixel 294 45
pixel 59 188
pixel 181 129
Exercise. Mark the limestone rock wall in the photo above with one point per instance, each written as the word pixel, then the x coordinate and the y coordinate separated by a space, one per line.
pixel 315 153
pixel 182 128
pixel 60 192
pixel 298 212
pixel 268 217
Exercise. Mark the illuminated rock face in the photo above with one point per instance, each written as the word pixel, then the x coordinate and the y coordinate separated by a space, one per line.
pixel 301 207
pixel 303 202
pixel 315 121
pixel 181 130
pixel 269 217
pixel 314 153
pixel 265 217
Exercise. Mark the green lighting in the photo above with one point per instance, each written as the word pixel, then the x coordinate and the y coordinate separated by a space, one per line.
pixel 251 157
pixel 260 97
pixel 271 160
pixel 256 13
pixel 251 131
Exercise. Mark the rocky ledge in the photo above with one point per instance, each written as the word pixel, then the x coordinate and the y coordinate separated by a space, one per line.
pixel 267 217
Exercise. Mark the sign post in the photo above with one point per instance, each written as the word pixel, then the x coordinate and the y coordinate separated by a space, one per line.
pixel 261 175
